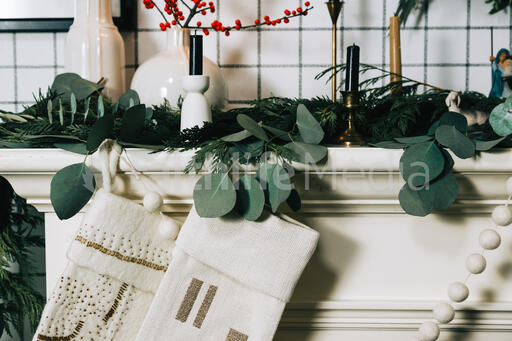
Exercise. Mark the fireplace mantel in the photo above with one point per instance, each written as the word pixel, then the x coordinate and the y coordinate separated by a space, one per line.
pixel 377 271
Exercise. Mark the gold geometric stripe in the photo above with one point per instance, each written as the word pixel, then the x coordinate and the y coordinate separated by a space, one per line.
pixel 205 306
pixel 235 335
pixel 189 300
pixel 116 302
pixel 119 255
pixel 62 338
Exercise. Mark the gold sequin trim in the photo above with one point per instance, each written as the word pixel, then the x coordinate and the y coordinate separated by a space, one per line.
pixel 119 255
pixel 62 338
pixel 205 306
pixel 115 305
pixel 235 335
pixel 189 300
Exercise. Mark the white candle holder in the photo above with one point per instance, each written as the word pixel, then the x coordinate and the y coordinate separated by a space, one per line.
pixel 196 109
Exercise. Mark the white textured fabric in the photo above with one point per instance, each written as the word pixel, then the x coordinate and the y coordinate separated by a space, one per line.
pixel 116 263
pixel 229 279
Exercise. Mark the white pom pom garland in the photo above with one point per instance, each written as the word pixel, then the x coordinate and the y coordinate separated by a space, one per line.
pixel 444 313
pixel 476 263
pixel 490 240
pixel 169 229
pixel 458 292
pixel 502 216
pixel 153 201
pixel 429 331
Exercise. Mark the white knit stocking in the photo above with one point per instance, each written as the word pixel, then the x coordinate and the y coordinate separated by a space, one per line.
pixel 229 280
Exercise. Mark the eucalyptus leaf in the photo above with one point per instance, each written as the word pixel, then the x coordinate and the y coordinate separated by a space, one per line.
pixel 214 195
pixel 133 123
pixel 422 163
pixel 294 201
pixel 277 183
pixel 252 126
pixel 309 128
pixel 451 137
pixel 49 108
pixel 433 128
pixel 454 119
pixel 115 108
pixel 129 99
pixel 71 189
pixel 389 145
pixel 73 107
pixel 62 85
pixel 237 137
pixel 307 153
pixel 83 88
pixel 444 191
pixel 413 202
pixel 250 198
pixel 77 148
pixel 249 150
pixel 501 119
pixel 149 114
pixel 414 139
pixel 101 130
pixel 61 113
pixel 280 134
pixel 101 107
pixel 483 146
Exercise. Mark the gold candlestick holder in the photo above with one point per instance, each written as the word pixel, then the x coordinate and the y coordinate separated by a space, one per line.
pixel 334 8
pixel 351 137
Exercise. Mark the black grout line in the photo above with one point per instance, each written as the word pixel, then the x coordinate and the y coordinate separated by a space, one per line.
pixel 218 33
pixel 259 29
pixel 342 52
pixel 468 37
pixel 55 63
pixel 425 45
pixel 384 37
pixel 300 51
pixel 15 68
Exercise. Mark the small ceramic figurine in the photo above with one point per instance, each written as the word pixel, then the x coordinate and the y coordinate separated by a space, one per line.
pixel 472 116
pixel 498 67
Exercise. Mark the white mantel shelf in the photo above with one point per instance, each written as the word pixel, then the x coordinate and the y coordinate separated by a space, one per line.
pixel 377 271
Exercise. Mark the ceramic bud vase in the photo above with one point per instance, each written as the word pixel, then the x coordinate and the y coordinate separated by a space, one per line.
pixel 95 48
pixel 196 109
pixel 161 76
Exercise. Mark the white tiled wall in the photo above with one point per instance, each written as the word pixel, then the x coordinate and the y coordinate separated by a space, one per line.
pixel 449 47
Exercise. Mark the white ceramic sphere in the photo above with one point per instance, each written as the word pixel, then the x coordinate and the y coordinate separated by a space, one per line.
pixel 458 292
pixel 476 263
pixel 509 186
pixel 490 240
pixel 502 216
pixel 169 229
pixel 429 331
pixel 444 313
pixel 153 201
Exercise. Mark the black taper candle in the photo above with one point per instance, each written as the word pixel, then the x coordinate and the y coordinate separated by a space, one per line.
pixel 352 76
pixel 196 55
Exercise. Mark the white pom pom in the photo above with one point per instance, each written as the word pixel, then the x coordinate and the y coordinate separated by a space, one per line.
pixel 476 263
pixel 169 229
pixel 444 313
pixel 153 201
pixel 429 331
pixel 458 292
pixel 509 186
pixel 490 240
pixel 502 216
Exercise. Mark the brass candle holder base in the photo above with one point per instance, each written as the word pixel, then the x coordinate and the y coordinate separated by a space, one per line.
pixel 350 137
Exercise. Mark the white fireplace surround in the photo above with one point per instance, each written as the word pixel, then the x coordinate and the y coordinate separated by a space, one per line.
pixel 377 272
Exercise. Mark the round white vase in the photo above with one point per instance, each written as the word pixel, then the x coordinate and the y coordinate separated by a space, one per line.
pixel 160 77
pixel 95 48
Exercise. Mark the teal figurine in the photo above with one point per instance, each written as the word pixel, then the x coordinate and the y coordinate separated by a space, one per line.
pixel 498 67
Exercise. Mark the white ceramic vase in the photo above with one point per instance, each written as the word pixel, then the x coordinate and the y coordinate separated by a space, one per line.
pixel 161 76
pixel 95 48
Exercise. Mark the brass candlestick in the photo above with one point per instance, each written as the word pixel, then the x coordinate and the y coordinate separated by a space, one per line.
pixel 351 137
pixel 334 8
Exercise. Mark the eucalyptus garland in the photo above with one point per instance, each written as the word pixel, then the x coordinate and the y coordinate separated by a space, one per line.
pixel 268 135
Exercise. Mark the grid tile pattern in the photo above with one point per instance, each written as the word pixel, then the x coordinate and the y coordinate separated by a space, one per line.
pixel 448 47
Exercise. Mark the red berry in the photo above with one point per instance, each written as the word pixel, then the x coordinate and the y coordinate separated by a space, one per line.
pixel 299 10
pixel 227 33
pixel 293 12
pixel 257 21
pixel 238 22
pixel 286 20
pixel 287 12
pixel 278 21
pixel 273 23
pixel 206 32
pixel 167 24
pixel 307 3
pixel 199 24
pixel 203 12
pixel 174 22
pixel 266 17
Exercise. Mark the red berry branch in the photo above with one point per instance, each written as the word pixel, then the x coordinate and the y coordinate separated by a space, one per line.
pixel 172 9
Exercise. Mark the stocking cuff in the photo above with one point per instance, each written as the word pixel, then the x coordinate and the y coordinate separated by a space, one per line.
pixel 121 239
pixel 268 256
